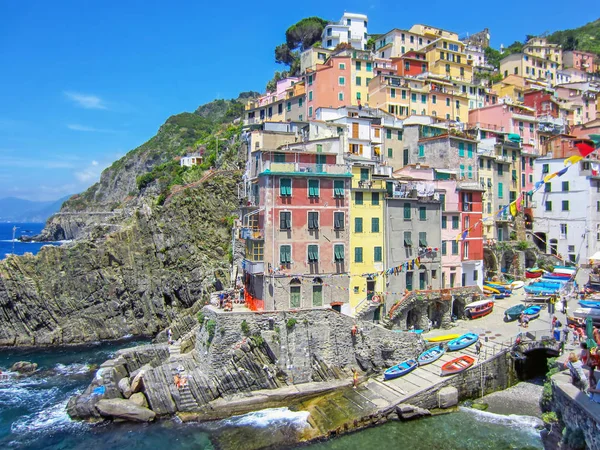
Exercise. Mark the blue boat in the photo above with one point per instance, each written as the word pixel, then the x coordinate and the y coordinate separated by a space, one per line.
pixel 431 355
pixel 589 304
pixel 463 342
pixel 533 312
pixel 400 369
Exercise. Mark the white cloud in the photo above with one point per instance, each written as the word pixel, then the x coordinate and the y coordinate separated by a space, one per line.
pixel 89 173
pixel 78 127
pixel 94 163
pixel 86 101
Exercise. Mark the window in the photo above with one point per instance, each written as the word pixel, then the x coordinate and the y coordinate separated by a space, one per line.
pixel 358 254
pixel 413 97
pixel 444 250
pixel 470 150
pixel 341 96
pixel 369 67
pixel 407 211
pixel 342 66
pixel 443 201
pixel 364 174
pixel 500 169
pixel 563 230
pixel 285 187
pixel 313 188
pixel 448 102
pixel 422 213
pixel 500 190
pixel 444 222
pixel 423 98
pixel 375 225
pixel 455 222
pixel 455 247
pixel 358 81
pixel 338 252
pixel 313 253
pixel 358 198
pixel 341 81
pixel 390 153
pixel 358 65
pixel 409 281
pixel 285 254
pixel 565 186
pixel 403 95
pixel 358 225
pixel 399 135
pixel 545 168
pixel 338 220
pixel 313 220
pixel 405 158
pixel 300 101
pixel 377 254
pixel 338 188
pixel 375 198
pixel 407 239
pixel 285 220
pixel 565 205
pixel 388 134
pixel 548 206
pixel 462 170
pixel 310 111
pixel 434 99
pixel 288 106
pixel 422 239
pixel 310 96
pixel 548 187
pixel 279 158
pixel 310 80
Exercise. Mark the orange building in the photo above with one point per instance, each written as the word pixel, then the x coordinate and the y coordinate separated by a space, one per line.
pixel 329 85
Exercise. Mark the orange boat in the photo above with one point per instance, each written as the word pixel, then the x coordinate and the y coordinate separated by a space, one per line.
pixel 457 365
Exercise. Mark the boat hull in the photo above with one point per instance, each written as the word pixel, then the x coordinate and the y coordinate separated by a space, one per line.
pixel 462 342
pixel 514 312
pixel 431 355
pixel 533 274
pixel 443 338
pixel 400 370
pixel 457 365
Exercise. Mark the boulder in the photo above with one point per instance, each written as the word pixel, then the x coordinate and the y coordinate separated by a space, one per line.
pixel 125 387
pixel 118 408
pixel 139 399
pixel 410 412
pixel 447 397
pixel 137 383
pixel 24 367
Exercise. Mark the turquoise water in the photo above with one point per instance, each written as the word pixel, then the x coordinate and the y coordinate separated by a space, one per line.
pixel 32 416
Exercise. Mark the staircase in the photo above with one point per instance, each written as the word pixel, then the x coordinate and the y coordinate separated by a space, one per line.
pixel 186 401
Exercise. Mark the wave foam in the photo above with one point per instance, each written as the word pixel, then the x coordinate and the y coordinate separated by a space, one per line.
pixel 511 420
pixel 269 417
pixel 72 369
pixel 49 419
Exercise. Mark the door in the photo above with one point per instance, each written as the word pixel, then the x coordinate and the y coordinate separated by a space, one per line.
pixel 464 279
pixel 317 295
pixel 295 296
pixel 422 280
pixel 377 314
pixel 321 159
pixel 370 289
pixel 452 279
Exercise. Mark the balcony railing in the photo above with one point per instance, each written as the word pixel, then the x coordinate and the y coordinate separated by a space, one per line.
pixel 294 167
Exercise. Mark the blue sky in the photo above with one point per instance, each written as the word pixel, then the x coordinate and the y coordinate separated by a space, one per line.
pixel 83 82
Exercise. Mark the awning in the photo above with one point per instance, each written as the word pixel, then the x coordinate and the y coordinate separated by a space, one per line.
pixel 595 256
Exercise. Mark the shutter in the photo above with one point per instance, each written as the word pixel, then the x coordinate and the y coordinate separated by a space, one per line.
pixel 339 252
pixel 378 254
pixel 288 220
pixel 338 219
pixel 282 221
pixel 407 239
pixel 422 239
pixel 354 130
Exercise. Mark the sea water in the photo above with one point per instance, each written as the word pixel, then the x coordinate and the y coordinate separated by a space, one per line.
pixel 7 245
pixel 33 416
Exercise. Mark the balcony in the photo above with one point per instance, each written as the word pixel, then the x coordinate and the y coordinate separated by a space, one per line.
pixel 267 167
pixel 253 267
pixel 252 234
pixel 385 171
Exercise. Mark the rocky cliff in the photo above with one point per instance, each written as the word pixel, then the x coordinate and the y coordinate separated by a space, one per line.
pixel 136 278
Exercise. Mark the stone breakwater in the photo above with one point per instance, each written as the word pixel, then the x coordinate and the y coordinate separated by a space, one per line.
pixel 239 362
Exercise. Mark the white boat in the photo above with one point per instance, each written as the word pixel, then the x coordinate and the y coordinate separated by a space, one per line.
pixel 582 313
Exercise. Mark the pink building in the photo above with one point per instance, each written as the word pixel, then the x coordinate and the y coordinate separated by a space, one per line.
pixel 582 98
pixel 578 60
pixel 509 118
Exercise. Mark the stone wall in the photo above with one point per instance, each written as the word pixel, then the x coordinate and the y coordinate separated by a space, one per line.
pixel 576 410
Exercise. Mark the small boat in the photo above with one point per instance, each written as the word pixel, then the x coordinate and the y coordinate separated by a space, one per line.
pixel 564 269
pixel 517 285
pixel 501 296
pixel 445 337
pixel 430 355
pixel 589 304
pixel 533 312
pixel 462 342
pixel 400 369
pixel 457 365
pixel 479 309
pixel 514 312
pixel 490 290
pixel 530 274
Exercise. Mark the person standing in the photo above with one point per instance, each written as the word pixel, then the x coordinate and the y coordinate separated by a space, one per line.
pixel 354 378
pixel 478 346
pixel 169 336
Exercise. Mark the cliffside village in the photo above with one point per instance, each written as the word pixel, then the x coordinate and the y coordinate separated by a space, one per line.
pixel 377 174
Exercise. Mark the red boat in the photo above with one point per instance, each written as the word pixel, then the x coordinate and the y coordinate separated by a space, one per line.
pixel 457 365
pixel 479 309
pixel 533 274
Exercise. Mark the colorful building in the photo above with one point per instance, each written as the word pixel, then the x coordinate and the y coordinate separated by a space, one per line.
pixel 287 103
pixel 575 59
pixel 447 57
pixel 351 29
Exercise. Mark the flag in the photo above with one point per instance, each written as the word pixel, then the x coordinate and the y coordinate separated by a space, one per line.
pixel 520 202
pixel 549 177
pixel 513 209
pixel 584 146
pixel 560 173
pixel 573 159
pixel 538 185
pixel 596 139
pixel 465 234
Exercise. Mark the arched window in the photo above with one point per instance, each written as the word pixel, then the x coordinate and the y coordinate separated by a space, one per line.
pixel 295 293
pixel 317 292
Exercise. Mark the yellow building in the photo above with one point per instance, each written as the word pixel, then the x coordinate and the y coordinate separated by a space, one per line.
pixel 366 236
pixel 447 57
pixel 538 61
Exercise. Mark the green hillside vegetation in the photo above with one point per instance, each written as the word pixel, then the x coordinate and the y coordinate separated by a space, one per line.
pixel 585 38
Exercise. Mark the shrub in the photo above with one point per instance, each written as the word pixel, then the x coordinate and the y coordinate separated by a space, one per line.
pixel 245 327
pixel 200 317
pixel 291 323
pixel 549 417
pixel 211 326
pixel 574 439
pixel 161 199
pixel 257 340
pixel 277 329
pixel 522 245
